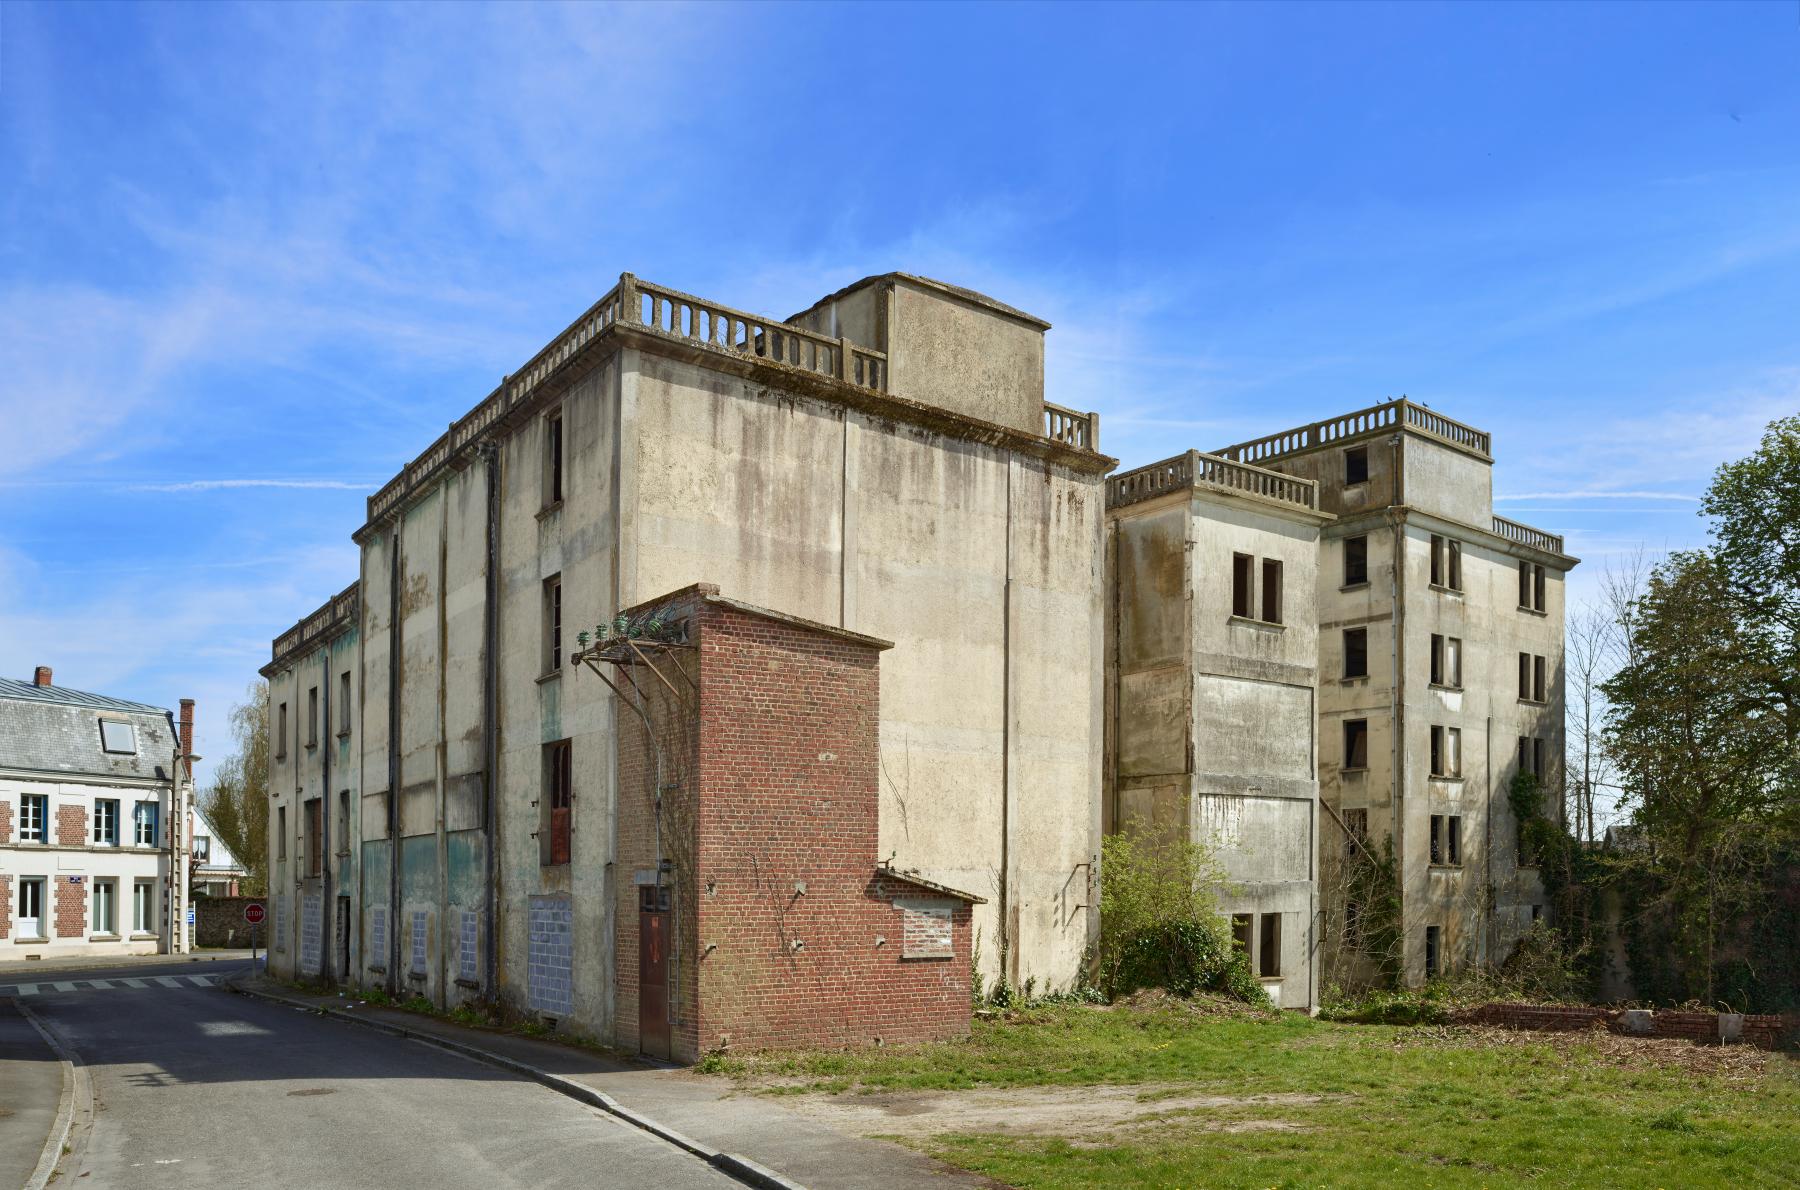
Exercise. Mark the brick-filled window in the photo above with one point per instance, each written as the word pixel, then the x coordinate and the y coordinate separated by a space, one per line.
pixel 34 809
pixel 553 628
pixel 1356 652
pixel 1446 563
pixel 558 802
pixel 314 843
pixel 1356 465
pixel 1356 743
pixel 106 822
pixel 1446 840
pixel 1356 561
pixel 146 824
pixel 1446 661
pixel 1271 591
pixel 1243 584
pixel 1446 751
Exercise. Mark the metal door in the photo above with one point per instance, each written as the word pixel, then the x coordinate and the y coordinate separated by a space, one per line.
pixel 653 971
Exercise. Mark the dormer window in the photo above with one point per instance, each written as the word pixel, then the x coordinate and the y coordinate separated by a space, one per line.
pixel 118 737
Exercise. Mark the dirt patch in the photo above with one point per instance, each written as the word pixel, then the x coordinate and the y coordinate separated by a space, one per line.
pixel 1077 1114
pixel 1733 1063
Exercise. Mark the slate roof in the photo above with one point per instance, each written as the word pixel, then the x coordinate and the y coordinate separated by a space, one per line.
pixel 52 729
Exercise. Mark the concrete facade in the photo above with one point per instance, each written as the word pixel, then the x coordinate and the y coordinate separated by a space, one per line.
pixel 827 468
pixel 1211 715
pixel 1426 602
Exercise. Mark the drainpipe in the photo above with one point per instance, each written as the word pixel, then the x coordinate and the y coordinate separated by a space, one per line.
pixel 490 718
pixel 393 800
pixel 327 909
pixel 1396 699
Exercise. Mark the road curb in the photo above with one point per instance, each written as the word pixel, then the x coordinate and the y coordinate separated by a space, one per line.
pixel 741 1168
pixel 52 1153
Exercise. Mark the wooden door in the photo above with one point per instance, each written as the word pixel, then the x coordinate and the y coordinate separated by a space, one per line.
pixel 653 972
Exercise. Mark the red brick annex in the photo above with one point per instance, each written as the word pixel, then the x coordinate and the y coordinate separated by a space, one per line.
pixel 757 911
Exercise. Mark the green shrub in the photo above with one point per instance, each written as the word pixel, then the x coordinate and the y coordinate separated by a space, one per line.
pixel 1160 925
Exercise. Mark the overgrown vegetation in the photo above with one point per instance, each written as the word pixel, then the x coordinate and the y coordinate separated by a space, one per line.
pixel 237 801
pixel 1160 923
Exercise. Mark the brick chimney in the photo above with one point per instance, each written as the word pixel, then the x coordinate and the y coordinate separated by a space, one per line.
pixel 42 677
pixel 187 734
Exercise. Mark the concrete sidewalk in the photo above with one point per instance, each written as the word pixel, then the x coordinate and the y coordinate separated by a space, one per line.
pixel 707 1110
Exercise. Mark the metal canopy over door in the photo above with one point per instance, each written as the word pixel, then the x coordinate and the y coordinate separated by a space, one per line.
pixel 653 971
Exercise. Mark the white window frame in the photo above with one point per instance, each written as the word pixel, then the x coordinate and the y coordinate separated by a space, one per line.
pixel 106 813
pixel 40 833
pixel 143 906
pixel 104 893
pixel 37 933
pixel 146 814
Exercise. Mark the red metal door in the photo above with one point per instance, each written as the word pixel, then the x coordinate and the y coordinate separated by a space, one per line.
pixel 653 972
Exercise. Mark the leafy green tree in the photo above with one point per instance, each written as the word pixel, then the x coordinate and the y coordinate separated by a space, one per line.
pixel 237 801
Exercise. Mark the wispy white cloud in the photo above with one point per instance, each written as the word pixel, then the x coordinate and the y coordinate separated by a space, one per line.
pixel 213 485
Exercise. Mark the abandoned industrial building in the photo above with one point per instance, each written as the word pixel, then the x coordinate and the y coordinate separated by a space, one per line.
pixel 721 680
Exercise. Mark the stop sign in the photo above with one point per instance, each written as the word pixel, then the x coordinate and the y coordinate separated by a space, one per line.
pixel 253 913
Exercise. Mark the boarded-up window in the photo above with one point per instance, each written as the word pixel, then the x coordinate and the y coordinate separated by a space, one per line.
pixel 559 798
pixel 1356 560
pixel 925 927
pixel 1356 652
pixel 1356 743
pixel 1271 591
pixel 1243 570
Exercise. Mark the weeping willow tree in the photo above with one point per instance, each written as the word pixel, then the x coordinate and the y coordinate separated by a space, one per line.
pixel 237 800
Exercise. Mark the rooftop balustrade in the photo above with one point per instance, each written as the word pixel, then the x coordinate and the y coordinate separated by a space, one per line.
pixel 676 315
pixel 340 609
pixel 1197 469
pixel 1389 415
pixel 1537 539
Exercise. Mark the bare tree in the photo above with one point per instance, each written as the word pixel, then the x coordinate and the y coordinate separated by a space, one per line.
pixel 1587 651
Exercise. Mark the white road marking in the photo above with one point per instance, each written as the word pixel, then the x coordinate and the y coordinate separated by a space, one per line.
pixel 100 983
pixel 27 989
pixel 168 981
pixel 63 987
pixel 200 981
pixel 133 983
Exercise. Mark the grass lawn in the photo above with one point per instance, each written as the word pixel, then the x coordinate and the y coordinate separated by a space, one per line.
pixel 1363 1105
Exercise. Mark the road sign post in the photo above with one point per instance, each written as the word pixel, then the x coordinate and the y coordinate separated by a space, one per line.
pixel 253 913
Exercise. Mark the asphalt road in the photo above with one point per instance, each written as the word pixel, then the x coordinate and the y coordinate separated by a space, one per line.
pixel 195 1087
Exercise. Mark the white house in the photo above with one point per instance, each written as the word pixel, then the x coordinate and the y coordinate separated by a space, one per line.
pixel 93 792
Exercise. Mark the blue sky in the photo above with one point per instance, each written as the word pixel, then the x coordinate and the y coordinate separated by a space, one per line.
pixel 254 258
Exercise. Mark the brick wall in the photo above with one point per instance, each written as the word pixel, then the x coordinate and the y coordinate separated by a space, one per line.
pixel 72 826
pixel 1763 1031
pixel 71 903
pixel 789 932
pixel 6 822
pixel 6 913
pixel 219 921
